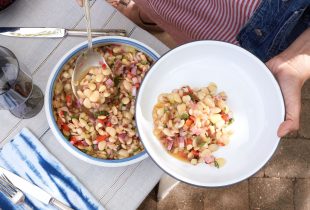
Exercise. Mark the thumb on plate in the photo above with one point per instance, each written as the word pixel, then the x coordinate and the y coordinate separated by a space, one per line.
pixel 287 126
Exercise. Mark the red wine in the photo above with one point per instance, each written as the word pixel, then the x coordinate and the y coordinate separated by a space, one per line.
pixel 5 3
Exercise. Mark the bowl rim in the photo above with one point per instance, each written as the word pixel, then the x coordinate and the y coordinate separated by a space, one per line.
pixel 49 98
pixel 273 80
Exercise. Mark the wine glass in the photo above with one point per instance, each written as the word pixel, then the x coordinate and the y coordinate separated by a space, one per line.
pixel 17 92
pixel 5 3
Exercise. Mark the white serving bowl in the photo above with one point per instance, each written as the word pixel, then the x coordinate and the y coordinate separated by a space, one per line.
pixel 253 96
pixel 49 98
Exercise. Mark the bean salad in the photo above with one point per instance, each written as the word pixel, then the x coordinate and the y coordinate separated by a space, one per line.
pixel 110 132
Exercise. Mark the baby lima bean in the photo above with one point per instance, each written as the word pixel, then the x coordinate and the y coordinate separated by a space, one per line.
pixel 95 87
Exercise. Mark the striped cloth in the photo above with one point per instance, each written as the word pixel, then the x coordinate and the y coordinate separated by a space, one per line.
pixel 188 20
pixel 28 158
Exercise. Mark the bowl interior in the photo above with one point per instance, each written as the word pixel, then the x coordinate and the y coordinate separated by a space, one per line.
pixel 97 42
pixel 253 96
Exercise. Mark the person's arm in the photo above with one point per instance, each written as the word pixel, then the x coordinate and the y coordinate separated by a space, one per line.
pixel 292 70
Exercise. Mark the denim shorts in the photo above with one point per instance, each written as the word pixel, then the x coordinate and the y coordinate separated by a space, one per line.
pixel 274 26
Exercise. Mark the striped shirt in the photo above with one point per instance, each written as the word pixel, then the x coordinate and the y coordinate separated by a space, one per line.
pixel 189 20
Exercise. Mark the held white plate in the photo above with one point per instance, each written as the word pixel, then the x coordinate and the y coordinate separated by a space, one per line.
pixel 253 96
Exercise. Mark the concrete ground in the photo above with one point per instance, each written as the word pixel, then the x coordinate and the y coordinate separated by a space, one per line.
pixel 284 183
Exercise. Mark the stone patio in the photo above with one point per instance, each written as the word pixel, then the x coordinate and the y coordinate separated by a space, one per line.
pixel 284 183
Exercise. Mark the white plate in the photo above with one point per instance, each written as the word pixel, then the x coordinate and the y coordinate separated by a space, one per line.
pixel 253 96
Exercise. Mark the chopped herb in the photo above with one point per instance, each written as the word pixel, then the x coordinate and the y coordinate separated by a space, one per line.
pixel 117 80
pixel 136 150
pixel 193 97
pixel 74 116
pixel 143 62
pixel 105 113
pixel 67 137
pixel 166 109
pixel 208 140
pixel 199 140
pixel 216 164
pixel 231 120
pixel 201 144
pixel 184 116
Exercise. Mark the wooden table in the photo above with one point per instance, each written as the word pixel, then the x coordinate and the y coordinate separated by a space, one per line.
pixel 115 188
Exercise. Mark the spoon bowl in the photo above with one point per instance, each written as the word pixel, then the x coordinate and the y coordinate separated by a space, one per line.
pixel 85 61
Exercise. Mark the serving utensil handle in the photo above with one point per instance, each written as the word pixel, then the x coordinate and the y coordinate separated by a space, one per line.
pixel 58 204
pixel 96 32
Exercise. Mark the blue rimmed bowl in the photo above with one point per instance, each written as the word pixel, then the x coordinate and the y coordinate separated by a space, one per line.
pixel 100 41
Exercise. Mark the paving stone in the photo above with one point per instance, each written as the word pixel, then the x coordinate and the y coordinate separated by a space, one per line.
pixel 182 197
pixel 293 134
pixel 306 90
pixel 292 159
pixel 304 130
pixel 232 197
pixel 150 202
pixel 271 193
pixel 302 194
pixel 260 173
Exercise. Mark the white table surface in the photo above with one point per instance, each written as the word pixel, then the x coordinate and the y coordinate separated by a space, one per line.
pixel 115 188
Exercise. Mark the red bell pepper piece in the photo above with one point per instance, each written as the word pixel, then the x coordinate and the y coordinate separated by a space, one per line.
pixel 195 153
pixel 189 141
pixel 101 138
pixel 225 117
pixel 65 127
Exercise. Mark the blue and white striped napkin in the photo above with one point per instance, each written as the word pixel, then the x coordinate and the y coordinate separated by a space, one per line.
pixel 28 158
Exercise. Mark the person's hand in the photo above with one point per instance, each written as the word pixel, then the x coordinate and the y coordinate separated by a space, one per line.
pixel 114 3
pixel 80 2
pixel 292 68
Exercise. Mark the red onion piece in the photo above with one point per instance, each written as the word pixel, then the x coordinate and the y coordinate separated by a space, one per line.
pixel 209 159
pixel 182 133
pixel 118 67
pixel 120 70
pixel 181 142
pixel 196 131
pixel 194 106
pixel 92 120
pixel 134 70
pixel 122 136
pixel 135 80
pixel 84 143
pixel 79 103
pixel 109 82
pixel 170 144
pixel 218 97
